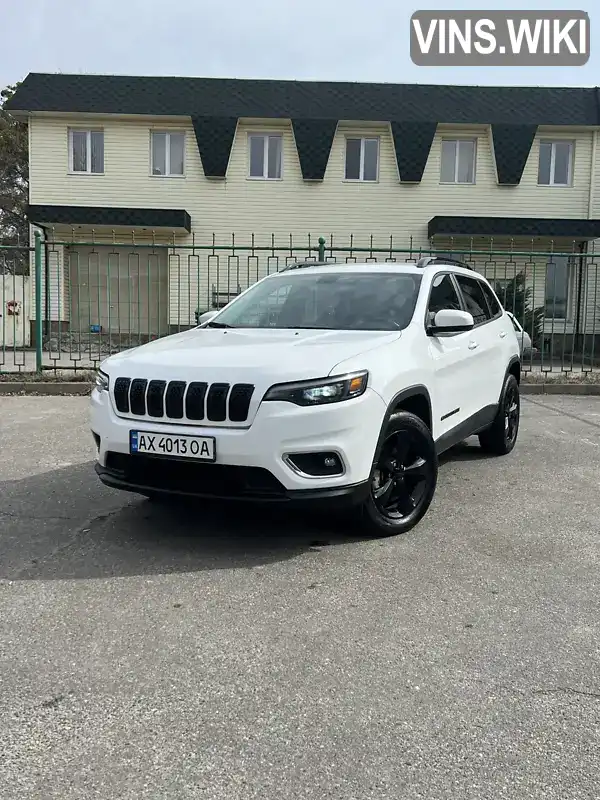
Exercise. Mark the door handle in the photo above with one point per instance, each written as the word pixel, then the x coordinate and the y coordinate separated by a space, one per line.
pixel 502 334
pixel 473 345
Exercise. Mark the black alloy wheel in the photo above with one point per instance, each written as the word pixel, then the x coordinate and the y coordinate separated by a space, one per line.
pixel 403 477
pixel 500 438
pixel 511 413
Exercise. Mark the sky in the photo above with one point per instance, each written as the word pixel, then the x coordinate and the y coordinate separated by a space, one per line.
pixel 351 40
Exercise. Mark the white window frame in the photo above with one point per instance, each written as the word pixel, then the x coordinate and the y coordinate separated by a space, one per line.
pixel 361 169
pixel 167 133
pixel 265 135
pixel 458 139
pixel 88 164
pixel 553 143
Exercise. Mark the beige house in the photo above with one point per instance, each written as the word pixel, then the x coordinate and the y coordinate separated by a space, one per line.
pixel 178 183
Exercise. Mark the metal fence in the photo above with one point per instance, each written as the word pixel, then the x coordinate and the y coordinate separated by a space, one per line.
pixel 67 305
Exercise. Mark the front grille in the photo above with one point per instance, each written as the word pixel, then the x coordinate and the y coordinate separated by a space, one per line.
pixel 137 396
pixel 194 401
pixel 174 401
pixel 216 402
pixel 178 400
pixel 155 397
pixel 190 477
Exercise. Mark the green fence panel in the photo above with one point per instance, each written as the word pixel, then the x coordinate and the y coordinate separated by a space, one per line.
pixel 80 301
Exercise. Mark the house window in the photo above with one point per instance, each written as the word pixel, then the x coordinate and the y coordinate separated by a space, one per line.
pixel 362 159
pixel 556 163
pixel 167 153
pixel 458 161
pixel 265 156
pixel 86 151
pixel 557 293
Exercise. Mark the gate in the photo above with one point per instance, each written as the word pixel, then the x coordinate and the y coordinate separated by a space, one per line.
pixel 15 310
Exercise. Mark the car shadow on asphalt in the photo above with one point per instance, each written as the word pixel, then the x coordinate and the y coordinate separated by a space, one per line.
pixel 65 524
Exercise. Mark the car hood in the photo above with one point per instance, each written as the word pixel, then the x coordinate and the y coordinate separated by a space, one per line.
pixel 263 356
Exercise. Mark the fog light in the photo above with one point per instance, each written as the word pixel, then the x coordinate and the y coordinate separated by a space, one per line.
pixel 317 465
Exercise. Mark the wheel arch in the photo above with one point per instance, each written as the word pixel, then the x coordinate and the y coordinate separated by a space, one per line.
pixel 513 368
pixel 414 399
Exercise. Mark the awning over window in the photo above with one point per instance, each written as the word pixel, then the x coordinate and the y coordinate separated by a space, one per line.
pixel 551 228
pixel 173 219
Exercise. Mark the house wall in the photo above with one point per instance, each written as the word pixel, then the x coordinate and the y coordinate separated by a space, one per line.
pixel 255 210
pixel 293 205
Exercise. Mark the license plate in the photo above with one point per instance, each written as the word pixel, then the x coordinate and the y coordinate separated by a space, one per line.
pixel 201 448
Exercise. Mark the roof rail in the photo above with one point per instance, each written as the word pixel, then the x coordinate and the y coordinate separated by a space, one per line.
pixel 304 264
pixel 428 260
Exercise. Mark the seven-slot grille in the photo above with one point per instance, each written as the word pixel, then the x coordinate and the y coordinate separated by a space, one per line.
pixel 195 401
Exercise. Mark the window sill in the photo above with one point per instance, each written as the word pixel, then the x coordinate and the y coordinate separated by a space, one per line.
pixel 87 174
pixel 263 180
pixel 152 175
pixel 457 183
pixel 359 180
pixel 556 185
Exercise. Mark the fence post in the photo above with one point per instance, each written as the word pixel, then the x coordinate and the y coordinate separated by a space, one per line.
pixel 321 248
pixel 38 302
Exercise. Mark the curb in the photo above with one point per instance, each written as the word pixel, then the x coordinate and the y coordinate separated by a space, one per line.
pixel 561 388
pixel 66 388
pixel 54 388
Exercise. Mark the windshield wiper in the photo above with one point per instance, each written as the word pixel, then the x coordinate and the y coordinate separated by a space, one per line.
pixel 219 325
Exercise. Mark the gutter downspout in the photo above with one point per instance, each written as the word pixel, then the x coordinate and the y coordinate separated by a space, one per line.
pixel 582 264
pixel 584 246
pixel 591 194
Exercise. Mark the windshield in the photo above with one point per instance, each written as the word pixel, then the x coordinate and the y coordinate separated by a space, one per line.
pixel 381 301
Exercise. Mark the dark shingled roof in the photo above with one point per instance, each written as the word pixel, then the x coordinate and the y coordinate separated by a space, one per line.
pixel 230 97
pixel 315 108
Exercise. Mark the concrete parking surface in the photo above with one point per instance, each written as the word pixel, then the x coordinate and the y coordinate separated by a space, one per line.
pixel 193 653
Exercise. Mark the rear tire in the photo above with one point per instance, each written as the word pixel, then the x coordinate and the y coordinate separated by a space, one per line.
pixel 500 438
pixel 403 477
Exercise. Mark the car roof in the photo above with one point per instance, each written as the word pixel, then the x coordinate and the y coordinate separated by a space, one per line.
pixel 406 267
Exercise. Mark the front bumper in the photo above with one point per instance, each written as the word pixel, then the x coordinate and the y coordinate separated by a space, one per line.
pixel 244 488
pixel 250 462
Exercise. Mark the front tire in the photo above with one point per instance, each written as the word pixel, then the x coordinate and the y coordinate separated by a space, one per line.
pixel 500 438
pixel 403 478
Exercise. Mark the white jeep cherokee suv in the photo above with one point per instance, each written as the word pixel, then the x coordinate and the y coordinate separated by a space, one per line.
pixel 339 383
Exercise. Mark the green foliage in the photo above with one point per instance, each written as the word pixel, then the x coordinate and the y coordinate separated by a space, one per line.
pixel 516 296
pixel 14 175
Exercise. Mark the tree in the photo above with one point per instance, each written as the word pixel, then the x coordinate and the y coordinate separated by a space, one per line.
pixel 14 175
pixel 517 297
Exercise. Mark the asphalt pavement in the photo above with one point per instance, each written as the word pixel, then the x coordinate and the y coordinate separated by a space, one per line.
pixel 232 654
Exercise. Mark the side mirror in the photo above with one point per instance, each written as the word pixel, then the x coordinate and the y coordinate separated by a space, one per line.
pixel 206 317
pixel 450 320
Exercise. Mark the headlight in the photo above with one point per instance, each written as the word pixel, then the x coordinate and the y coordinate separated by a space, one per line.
pixel 101 381
pixel 318 392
